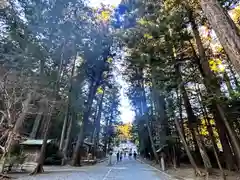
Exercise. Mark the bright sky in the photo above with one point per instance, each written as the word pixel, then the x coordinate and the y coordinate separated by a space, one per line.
pixel 110 2
pixel 127 115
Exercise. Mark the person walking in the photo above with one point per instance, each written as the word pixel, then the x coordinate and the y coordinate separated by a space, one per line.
pixel 135 155
pixel 118 156
pixel 130 155
pixel 121 155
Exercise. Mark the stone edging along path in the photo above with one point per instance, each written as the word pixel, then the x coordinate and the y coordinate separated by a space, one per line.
pixel 164 173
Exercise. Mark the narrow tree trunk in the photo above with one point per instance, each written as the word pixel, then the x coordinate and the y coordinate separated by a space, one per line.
pixel 94 128
pixel 76 156
pixel 98 125
pixel 105 136
pixel 41 157
pixel 215 150
pixel 180 114
pixel 228 84
pixel 68 136
pixel 233 73
pixel 211 135
pixel 192 124
pixel 68 106
pixel 231 133
pixel 37 121
pixel 192 121
pixel 227 151
pixel 193 163
pixel 225 29
pixel 152 142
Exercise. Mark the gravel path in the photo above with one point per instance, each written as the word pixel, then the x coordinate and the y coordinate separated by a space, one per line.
pixel 125 170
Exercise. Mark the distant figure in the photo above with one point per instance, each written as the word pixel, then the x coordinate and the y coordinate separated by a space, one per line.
pixel 125 154
pixel 121 155
pixel 135 155
pixel 118 155
pixel 130 154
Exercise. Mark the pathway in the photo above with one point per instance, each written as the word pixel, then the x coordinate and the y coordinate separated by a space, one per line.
pixel 125 170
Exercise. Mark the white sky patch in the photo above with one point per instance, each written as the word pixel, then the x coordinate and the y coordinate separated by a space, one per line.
pixel 106 2
pixel 127 114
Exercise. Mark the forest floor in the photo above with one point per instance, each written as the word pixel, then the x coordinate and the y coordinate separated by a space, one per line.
pixel 185 172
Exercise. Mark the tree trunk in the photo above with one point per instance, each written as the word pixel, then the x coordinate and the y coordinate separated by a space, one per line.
pixel 98 125
pixel 211 135
pixel 152 142
pixel 228 84
pixel 192 121
pixel 37 121
pixel 233 74
pixel 193 124
pixel 105 136
pixel 215 150
pixel 193 163
pixel 227 151
pixel 68 136
pixel 41 157
pixel 76 156
pixel 181 117
pixel 225 29
pixel 68 106
pixel 231 133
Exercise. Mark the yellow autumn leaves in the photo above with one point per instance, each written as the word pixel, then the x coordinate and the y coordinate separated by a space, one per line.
pixel 216 65
pixel 124 131
pixel 147 36
pixel 99 90
pixel 236 15
pixel 145 22
pixel 104 15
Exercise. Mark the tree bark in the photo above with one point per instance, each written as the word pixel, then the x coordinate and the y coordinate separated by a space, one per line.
pixel 37 121
pixel 193 124
pixel 152 142
pixel 192 161
pixel 105 136
pixel 41 157
pixel 98 125
pixel 192 121
pixel 67 140
pixel 225 29
pixel 76 156
pixel 68 106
